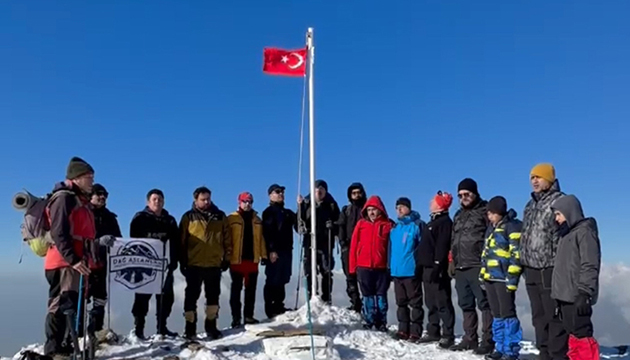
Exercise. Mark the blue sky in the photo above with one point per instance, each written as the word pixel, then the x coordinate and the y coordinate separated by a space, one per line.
pixel 409 99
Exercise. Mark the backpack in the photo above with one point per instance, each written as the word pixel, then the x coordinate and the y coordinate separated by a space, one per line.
pixel 36 225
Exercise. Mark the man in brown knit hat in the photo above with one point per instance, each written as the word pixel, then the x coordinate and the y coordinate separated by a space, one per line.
pixel 539 242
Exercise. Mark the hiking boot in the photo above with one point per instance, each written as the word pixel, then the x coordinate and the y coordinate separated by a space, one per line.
pixel 367 326
pixel 236 324
pixel 139 328
pixel 211 329
pixel 401 335
pixel 381 327
pixel 414 339
pixel 190 330
pixel 428 339
pixel 446 343
pixel 485 348
pixel 61 356
pixel 465 345
pixel 166 332
pixel 494 356
pixel 251 321
pixel 508 357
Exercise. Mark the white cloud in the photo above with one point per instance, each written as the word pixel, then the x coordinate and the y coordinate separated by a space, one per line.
pixel 23 306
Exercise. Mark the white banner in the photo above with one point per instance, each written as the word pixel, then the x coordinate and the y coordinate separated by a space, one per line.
pixel 138 265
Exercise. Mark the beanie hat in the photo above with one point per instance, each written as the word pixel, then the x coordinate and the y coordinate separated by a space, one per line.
pixel 245 196
pixel 544 171
pixel 321 183
pixel 99 189
pixel 469 185
pixel 274 187
pixel 404 201
pixel 443 200
pixel 78 167
pixel 157 192
pixel 497 205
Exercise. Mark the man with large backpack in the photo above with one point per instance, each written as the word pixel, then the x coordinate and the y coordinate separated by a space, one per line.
pixel 348 219
pixel 68 261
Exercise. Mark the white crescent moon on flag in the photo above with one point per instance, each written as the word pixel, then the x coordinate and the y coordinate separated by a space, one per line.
pixel 299 63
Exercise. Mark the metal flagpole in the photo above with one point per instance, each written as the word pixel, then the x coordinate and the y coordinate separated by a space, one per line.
pixel 311 142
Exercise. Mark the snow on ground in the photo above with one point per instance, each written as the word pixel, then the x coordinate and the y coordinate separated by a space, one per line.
pixel 342 338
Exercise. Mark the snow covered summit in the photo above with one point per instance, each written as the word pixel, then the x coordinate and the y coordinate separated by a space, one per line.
pixel 338 334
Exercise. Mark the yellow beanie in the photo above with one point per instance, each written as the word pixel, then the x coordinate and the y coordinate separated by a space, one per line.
pixel 544 171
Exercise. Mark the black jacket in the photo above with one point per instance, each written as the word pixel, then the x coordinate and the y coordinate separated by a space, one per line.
pixel 327 210
pixel 469 229
pixel 146 224
pixel 106 223
pixel 350 215
pixel 435 242
pixel 278 225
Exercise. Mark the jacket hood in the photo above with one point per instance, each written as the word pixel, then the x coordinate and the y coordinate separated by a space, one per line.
pixel 413 216
pixel 327 199
pixel 355 186
pixel 148 211
pixel 570 207
pixel 374 201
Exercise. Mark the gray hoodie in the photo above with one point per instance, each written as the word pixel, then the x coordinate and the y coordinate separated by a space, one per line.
pixel 578 259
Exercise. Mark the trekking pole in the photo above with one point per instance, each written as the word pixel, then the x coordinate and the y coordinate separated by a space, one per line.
pixel 330 274
pixel 77 319
pixel 87 347
pixel 297 290
pixel 109 296
pixel 161 309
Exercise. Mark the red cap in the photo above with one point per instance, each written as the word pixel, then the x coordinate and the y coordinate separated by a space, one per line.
pixel 443 200
pixel 245 196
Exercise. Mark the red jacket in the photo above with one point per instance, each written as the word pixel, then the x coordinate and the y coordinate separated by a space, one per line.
pixel 369 247
pixel 71 227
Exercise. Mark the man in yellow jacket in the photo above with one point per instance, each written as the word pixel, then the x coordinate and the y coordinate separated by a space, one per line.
pixel 206 252
pixel 249 249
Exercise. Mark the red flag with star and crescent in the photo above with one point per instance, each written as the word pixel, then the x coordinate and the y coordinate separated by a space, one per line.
pixel 284 62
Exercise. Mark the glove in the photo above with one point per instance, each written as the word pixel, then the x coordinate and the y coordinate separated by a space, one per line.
pixel 183 270
pixel 435 273
pixel 225 264
pixel 301 229
pixel 329 224
pixel 264 262
pixel 106 240
pixel 583 304
pixel 451 269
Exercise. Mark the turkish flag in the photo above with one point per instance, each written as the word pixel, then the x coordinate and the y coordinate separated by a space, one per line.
pixel 284 62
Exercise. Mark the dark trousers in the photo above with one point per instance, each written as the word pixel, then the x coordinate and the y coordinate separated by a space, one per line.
pixel 439 303
pixel 502 302
pixel 574 324
pixel 277 274
pixel 374 284
pixel 244 273
pixel 63 297
pixel 551 338
pixel 97 292
pixel 325 266
pixel 469 294
pixel 352 283
pixel 210 278
pixel 163 303
pixel 408 292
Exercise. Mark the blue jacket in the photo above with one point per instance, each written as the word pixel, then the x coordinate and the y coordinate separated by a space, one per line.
pixel 501 254
pixel 404 238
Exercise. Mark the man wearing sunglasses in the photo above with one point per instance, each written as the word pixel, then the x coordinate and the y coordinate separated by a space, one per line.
pixel 278 225
pixel 106 223
pixel 469 228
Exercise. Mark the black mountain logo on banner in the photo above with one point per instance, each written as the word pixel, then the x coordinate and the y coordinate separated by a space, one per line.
pixel 136 264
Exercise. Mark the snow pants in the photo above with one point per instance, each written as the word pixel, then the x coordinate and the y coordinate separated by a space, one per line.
pixel 408 291
pixel 277 274
pixel 244 273
pixel 582 344
pixel 163 303
pixel 374 284
pixel 506 328
pixel 210 278
pixel 552 339
pixel 63 295
pixel 352 283
pixel 469 292
pixel 325 266
pixel 439 303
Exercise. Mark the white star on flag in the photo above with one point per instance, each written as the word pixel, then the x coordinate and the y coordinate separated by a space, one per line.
pixel 285 59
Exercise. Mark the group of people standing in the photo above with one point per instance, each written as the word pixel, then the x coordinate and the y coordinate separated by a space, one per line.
pixel 485 248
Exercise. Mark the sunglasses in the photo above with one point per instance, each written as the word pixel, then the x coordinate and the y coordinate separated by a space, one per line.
pixel 278 191
pixel 464 195
pixel 246 201
pixel 101 193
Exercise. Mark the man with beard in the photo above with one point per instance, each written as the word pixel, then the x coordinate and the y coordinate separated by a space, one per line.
pixel 106 223
pixel 155 222
pixel 206 252
pixel 348 218
pixel 326 215
pixel 278 225
pixel 469 229
pixel 539 242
